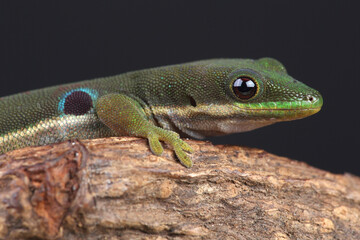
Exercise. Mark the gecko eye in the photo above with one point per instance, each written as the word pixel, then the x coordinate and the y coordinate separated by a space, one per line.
pixel 244 88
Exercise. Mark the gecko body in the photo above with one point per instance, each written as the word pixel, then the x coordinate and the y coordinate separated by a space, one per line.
pixel 196 99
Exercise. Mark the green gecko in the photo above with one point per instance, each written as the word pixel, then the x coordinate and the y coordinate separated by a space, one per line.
pixel 196 99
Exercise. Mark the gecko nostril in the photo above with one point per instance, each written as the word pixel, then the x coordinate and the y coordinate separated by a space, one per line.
pixel 310 98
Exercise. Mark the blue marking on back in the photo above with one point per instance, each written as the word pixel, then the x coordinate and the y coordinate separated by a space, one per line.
pixel 92 93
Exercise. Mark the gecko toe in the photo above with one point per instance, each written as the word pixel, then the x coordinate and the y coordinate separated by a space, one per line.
pixel 186 147
pixel 184 159
pixel 155 145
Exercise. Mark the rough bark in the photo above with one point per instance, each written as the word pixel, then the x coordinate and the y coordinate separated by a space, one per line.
pixel 117 189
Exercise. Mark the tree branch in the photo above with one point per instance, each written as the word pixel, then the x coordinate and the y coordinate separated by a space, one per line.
pixel 116 187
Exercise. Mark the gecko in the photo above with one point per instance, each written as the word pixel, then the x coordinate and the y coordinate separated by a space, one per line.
pixel 163 104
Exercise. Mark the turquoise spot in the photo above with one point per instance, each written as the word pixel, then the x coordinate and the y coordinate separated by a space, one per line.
pixel 92 93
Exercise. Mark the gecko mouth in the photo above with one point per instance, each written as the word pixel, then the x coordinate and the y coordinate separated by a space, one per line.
pixel 284 111
pixel 292 114
pixel 281 114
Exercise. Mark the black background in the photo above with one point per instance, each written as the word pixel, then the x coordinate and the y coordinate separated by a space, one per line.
pixel 43 43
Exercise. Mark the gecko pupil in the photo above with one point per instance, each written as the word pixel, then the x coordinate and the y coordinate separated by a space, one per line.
pixel 244 87
pixel 78 103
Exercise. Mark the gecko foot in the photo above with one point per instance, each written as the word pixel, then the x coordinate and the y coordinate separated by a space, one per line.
pixel 173 139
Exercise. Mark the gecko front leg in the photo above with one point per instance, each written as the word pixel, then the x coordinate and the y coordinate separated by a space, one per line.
pixel 125 116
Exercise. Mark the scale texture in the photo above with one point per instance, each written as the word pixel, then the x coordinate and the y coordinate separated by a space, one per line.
pixel 197 99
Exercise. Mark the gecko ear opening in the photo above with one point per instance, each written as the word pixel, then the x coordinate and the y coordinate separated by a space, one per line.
pixel 192 101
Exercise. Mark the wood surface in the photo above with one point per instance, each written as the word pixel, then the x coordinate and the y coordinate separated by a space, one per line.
pixel 115 188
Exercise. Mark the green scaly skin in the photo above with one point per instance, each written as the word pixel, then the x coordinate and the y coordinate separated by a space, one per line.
pixel 195 99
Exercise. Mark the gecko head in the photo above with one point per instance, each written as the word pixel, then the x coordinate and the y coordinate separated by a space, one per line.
pixel 262 89
pixel 237 95
pixel 240 95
